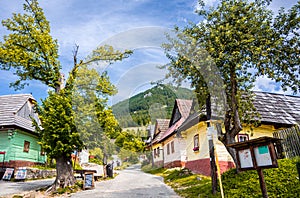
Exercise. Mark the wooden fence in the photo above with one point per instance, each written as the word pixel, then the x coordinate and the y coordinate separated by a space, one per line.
pixel 290 143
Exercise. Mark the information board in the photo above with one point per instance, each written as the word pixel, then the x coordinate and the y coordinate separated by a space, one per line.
pixel 245 158
pixel 8 173
pixel 263 156
pixel 88 181
pixel 21 173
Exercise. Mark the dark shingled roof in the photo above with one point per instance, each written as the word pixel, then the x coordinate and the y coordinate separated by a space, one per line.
pixel 274 109
pixel 278 108
pixel 10 114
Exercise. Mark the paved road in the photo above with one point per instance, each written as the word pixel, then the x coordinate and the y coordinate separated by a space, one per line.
pixel 8 187
pixel 130 183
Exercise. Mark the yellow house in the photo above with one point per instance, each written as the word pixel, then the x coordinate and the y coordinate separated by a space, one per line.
pixel 277 112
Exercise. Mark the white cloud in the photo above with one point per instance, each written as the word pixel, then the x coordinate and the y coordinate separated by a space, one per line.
pixel 265 84
pixel 135 78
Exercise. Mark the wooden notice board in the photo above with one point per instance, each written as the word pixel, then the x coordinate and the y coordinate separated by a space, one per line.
pixel 8 174
pixel 88 182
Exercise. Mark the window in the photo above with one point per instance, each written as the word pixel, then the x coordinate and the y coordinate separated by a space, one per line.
pixel 42 152
pixel 172 147
pixel 154 153
pixel 243 137
pixel 26 146
pixel 196 143
pixel 168 149
pixel 158 152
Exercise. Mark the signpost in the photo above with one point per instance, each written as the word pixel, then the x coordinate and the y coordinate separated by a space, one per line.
pixel 8 173
pixel 88 182
pixel 21 173
pixel 257 154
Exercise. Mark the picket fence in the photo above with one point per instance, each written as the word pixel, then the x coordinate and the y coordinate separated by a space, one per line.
pixel 290 142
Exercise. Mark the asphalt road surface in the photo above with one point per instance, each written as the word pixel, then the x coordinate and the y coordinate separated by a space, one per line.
pixel 130 183
pixel 8 187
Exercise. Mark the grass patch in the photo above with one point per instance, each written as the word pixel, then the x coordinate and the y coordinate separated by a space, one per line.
pixel 71 189
pixel 281 182
pixel 185 183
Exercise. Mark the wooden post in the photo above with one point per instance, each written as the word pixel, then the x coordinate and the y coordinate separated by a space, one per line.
pixel 262 183
pixel 213 168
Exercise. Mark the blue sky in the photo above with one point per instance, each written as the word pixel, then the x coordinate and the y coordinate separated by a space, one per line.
pixel 139 25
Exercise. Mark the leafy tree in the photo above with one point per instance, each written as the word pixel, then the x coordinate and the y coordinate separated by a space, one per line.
pixel 129 141
pixel 236 42
pixel 33 54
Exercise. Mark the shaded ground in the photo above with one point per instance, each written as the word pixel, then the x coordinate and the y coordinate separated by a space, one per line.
pixel 9 188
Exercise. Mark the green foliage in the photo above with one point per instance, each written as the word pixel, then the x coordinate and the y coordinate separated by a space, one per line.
pixel 94 119
pixel 236 42
pixel 130 142
pixel 153 170
pixel 128 156
pixel 98 156
pixel 280 182
pixel 30 49
pixel 146 107
pixel 59 135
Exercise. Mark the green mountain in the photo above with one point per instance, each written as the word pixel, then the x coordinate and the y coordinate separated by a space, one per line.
pixel 152 104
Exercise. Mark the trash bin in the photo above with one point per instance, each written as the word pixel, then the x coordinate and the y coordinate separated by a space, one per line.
pixel 109 170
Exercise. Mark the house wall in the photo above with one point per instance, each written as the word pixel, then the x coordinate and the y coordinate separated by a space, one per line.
pixel 178 157
pixel 199 161
pixel 4 145
pixel 158 159
pixel 14 148
pixel 262 130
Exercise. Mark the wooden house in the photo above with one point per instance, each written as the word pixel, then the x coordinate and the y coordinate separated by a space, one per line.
pixel 277 112
pixel 161 126
pixel 18 138
pixel 173 146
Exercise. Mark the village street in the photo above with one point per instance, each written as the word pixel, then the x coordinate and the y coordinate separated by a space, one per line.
pixel 130 183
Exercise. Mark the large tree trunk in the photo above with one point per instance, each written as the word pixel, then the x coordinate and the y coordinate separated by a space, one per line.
pixel 230 139
pixel 64 173
pixel 232 119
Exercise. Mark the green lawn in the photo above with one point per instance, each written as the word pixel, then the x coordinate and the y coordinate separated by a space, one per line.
pixel 281 182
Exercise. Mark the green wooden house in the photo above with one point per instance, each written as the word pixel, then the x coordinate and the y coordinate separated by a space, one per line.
pixel 18 139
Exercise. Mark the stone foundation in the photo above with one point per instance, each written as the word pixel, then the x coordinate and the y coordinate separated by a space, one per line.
pixel 33 173
pixel 202 166
pixel 174 164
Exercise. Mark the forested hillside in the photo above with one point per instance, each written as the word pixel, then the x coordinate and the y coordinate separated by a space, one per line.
pixel 149 105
